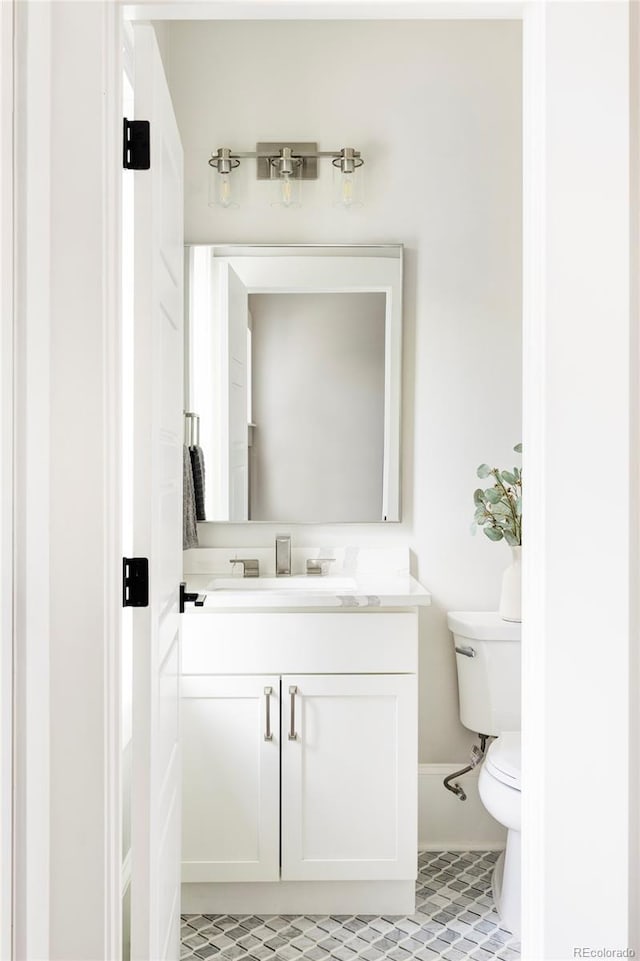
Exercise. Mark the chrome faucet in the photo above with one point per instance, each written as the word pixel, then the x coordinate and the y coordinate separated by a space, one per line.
pixel 283 555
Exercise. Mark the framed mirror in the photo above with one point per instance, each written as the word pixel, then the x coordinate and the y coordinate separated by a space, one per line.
pixel 293 381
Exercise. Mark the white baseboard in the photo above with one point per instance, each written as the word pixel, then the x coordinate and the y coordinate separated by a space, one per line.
pixel 300 897
pixel 447 824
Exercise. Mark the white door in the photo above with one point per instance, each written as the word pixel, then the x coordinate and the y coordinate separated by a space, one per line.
pixel 158 258
pixel 238 315
pixel 231 778
pixel 349 777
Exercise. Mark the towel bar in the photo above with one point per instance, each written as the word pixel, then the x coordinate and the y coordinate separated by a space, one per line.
pixel 191 429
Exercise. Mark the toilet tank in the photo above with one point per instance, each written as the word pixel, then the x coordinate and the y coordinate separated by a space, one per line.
pixel 488 665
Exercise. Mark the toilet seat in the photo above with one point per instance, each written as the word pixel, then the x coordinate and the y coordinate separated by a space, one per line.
pixel 503 760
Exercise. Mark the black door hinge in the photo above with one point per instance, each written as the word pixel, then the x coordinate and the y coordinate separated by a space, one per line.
pixel 135 582
pixel 136 152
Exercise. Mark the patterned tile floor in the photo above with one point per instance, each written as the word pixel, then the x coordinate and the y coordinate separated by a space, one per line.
pixel 455 919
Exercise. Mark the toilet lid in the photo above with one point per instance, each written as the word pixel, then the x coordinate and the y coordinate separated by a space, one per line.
pixel 503 759
pixel 483 626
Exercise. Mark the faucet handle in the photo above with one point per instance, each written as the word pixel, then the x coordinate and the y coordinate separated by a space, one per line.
pixel 319 565
pixel 250 566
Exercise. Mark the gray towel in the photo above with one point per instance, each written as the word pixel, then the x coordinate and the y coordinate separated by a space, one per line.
pixel 197 466
pixel 189 526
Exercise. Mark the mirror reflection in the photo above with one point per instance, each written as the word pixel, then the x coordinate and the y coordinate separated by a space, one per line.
pixel 293 381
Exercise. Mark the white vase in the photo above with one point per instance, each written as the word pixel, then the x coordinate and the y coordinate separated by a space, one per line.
pixel 511 595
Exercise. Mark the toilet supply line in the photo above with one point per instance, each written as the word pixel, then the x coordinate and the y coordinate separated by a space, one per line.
pixel 477 755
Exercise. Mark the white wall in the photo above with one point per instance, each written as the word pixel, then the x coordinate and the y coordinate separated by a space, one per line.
pixel 318 405
pixel 435 108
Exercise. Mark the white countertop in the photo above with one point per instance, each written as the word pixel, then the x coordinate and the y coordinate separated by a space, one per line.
pixel 358 578
pixel 303 591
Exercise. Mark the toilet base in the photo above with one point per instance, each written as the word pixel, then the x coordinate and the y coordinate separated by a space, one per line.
pixel 507 896
pixel 496 883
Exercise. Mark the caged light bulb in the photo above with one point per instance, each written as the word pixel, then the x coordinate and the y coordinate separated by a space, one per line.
pixel 347 179
pixel 221 166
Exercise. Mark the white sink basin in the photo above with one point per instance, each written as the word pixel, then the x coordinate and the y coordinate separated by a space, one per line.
pixel 284 585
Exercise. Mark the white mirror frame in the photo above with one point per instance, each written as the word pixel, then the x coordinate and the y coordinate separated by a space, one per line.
pixel 303 269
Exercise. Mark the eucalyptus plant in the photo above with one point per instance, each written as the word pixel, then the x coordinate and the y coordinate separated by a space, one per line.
pixel 499 508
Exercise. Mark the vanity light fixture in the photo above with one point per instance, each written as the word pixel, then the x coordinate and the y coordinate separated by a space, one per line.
pixel 287 164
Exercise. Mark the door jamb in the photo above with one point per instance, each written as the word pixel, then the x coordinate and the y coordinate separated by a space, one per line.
pixel 6 474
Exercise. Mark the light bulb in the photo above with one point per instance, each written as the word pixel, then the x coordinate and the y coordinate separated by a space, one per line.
pixel 285 189
pixel 224 190
pixel 221 190
pixel 347 191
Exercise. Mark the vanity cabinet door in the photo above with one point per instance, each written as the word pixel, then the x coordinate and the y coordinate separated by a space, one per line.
pixel 349 777
pixel 231 778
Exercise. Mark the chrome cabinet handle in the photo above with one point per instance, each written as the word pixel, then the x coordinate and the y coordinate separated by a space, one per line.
pixel 268 691
pixel 467 651
pixel 293 690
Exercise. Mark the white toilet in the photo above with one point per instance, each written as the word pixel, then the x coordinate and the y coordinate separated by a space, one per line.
pixel 488 665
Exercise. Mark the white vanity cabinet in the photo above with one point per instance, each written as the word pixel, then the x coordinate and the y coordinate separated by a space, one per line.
pixel 347 783
pixel 231 778
pixel 299 743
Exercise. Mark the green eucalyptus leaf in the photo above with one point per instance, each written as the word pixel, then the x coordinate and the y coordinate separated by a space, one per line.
pixel 502 510
pixel 508 477
pixel 506 523
pixel 518 448
pixel 519 507
pixel 492 495
pixel 483 471
pixel 493 533
pixel 480 515
pixel 478 496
